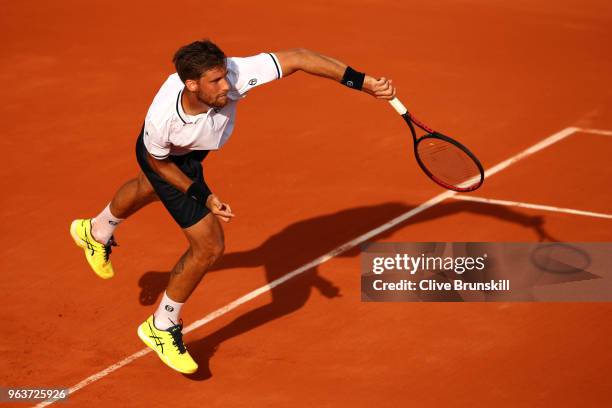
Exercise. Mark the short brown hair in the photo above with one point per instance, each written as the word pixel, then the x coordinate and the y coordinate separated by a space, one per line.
pixel 193 60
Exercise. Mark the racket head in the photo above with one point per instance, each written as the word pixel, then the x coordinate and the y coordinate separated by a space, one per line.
pixel 448 163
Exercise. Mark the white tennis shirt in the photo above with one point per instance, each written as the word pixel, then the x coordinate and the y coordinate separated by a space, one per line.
pixel 168 130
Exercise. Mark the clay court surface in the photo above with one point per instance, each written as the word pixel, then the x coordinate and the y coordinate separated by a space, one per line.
pixel 310 166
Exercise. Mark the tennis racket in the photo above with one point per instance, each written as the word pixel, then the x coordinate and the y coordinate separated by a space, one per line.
pixel 443 159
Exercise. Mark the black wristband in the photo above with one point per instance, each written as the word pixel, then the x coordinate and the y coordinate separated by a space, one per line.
pixel 199 192
pixel 353 79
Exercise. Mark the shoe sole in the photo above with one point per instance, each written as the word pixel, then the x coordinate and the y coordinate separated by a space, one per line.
pixel 163 358
pixel 79 242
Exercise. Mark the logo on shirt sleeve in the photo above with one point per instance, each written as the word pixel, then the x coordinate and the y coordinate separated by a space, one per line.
pixel 253 82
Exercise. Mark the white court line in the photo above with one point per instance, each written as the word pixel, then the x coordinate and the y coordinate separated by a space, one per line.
pixel 533 149
pixel 343 248
pixel 532 206
pixel 595 131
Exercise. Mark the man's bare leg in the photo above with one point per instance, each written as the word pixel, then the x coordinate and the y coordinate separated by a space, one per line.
pixel 162 332
pixel 130 197
pixel 206 245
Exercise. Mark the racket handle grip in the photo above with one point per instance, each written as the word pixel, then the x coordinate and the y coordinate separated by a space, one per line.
pixel 398 106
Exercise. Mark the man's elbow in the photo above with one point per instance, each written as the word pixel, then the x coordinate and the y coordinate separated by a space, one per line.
pixel 303 52
pixel 303 55
pixel 295 59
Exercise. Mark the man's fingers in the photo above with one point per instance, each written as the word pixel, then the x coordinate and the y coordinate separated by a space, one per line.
pixel 223 210
pixel 385 86
pixel 389 88
pixel 382 88
pixel 389 94
pixel 383 83
pixel 223 213
pixel 224 219
pixel 223 207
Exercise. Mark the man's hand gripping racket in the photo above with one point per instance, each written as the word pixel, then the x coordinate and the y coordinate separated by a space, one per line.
pixel 446 161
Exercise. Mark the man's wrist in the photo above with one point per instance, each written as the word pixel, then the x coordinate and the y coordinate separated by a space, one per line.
pixel 353 79
pixel 199 192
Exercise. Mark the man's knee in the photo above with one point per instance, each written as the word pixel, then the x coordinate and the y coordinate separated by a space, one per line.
pixel 208 251
pixel 206 241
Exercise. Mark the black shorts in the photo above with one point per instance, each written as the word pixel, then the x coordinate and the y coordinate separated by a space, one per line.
pixel 185 210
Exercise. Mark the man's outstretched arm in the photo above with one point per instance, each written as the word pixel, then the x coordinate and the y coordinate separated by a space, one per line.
pixel 301 59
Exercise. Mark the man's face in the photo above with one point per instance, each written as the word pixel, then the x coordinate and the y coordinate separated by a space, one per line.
pixel 212 87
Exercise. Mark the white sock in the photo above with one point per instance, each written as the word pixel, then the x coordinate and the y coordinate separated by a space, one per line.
pixel 167 313
pixel 104 225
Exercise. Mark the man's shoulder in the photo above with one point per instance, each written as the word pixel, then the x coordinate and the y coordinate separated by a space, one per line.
pixel 171 87
pixel 231 63
pixel 164 104
pixel 174 79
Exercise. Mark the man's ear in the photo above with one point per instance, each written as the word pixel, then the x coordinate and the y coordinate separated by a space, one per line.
pixel 192 85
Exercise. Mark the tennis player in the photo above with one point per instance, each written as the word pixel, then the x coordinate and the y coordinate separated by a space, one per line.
pixel 192 114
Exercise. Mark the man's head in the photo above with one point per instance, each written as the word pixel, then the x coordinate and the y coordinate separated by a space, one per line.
pixel 201 67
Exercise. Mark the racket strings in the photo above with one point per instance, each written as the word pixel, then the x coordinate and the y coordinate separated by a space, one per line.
pixel 447 162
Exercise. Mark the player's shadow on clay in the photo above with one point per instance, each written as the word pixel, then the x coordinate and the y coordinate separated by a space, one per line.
pixel 302 242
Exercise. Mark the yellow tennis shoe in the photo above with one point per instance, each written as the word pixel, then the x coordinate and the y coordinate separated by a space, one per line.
pixel 97 254
pixel 169 346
